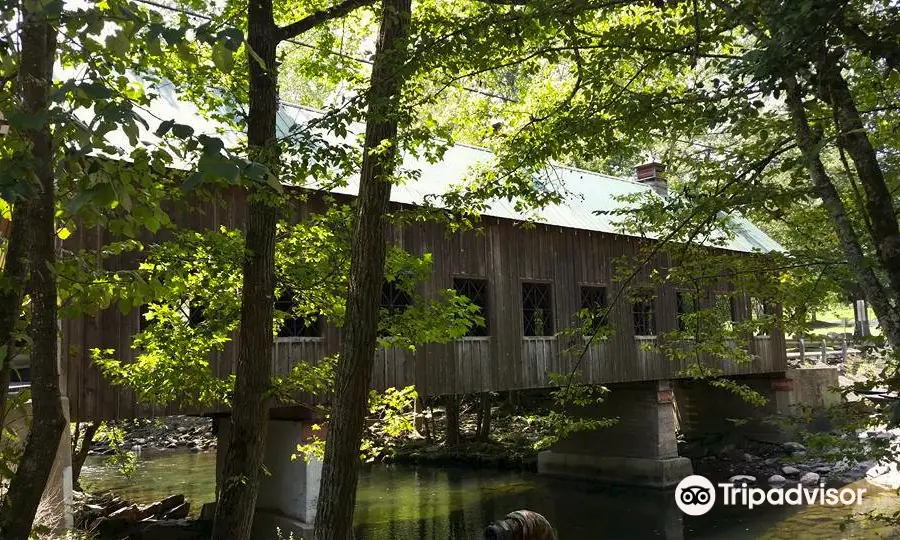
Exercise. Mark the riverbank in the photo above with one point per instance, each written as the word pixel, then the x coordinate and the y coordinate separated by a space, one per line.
pixel 512 447
pixel 194 433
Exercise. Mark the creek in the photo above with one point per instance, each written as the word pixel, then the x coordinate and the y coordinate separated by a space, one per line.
pixel 406 503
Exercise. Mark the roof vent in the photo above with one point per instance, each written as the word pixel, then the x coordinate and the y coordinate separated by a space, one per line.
pixel 651 174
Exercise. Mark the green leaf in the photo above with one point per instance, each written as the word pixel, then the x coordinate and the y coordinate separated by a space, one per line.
pixel 211 145
pixel 255 172
pixel 182 131
pixel 164 127
pixel 118 44
pixel 223 57
pixel 80 200
pixel 193 181
pixel 232 38
pixel 96 90
pixel 274 183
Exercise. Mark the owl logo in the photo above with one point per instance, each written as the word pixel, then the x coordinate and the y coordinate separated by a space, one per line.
pixel 695 495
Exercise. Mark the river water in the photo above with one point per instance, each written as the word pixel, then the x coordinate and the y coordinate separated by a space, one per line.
pixel 440 504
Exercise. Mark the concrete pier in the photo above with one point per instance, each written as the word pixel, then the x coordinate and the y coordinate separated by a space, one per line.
pixel 289 490
pixel 640 450
pixel 706 411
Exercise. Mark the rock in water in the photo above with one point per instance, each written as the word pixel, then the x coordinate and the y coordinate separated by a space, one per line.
pixel 170 503
pixel 787 470
pixel 179 512
pixel 809 479
pixel 742 478
pixel 792 447
pixel 777 479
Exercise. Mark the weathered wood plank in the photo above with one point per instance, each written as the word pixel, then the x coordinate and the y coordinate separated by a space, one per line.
pixel 503 253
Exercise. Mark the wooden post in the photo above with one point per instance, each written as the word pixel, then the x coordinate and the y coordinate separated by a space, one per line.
pixel 802 347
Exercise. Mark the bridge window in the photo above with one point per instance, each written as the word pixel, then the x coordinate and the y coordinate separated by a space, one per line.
pixel 393 298
pixel 686 304
pixel 644 313
pixel 294 326
pixel 476 290
pixel 189 312
pixel 593 308
pixel 195 315
pixel 760 308
pixel 726 311
pixel 537 309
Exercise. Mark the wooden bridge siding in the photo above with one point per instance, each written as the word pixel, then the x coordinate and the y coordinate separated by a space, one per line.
pixel 504 253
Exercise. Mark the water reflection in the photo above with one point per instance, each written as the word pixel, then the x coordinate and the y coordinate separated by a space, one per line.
pixel 433 504
pixel 439 504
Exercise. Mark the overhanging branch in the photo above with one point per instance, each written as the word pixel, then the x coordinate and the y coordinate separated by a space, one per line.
pixel 311 21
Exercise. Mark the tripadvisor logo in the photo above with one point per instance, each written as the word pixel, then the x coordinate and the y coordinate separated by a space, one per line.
pixel 696 495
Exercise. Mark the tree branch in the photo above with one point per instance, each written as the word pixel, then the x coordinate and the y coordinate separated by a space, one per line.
pixel 311 21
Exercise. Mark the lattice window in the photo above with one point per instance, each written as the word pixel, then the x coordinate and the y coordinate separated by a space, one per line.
pixel 537 309
pixel 476 290
pixel 294 326
pixel 593 308
pixel 190 311
pixel 644 313
pixel 686 304
pixel 195 315
pixel 393 298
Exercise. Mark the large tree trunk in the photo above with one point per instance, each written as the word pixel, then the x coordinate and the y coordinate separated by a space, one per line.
pixel 250 407
pixel 847 236
pixel 15 273
pixel 337 495
pixel 853 138
pixel 48 421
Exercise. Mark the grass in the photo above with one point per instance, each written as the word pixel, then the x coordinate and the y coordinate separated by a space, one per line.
pixel 831 320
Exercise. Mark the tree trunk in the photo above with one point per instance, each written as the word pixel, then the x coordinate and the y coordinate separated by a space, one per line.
pixel 337 495
pixel 250 408
pixel 849 241
pixel 24 495
pixel 80 453
pixel 451 405
pixel 852 137
pixel 15 274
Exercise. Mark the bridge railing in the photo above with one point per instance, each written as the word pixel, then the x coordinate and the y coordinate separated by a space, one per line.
pixel 820 348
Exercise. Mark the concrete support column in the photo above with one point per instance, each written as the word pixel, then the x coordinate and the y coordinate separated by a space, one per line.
pixel 706 411
pixel 289 490
pixel 640 450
